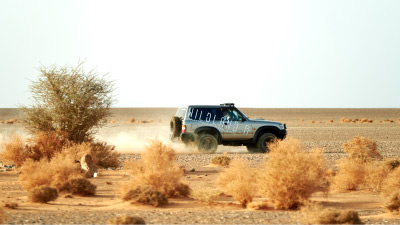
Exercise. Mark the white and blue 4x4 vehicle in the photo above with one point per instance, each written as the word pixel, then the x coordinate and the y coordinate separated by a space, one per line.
pixel 211 125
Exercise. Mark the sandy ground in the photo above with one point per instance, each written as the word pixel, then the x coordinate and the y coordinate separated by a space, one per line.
pixel 130 138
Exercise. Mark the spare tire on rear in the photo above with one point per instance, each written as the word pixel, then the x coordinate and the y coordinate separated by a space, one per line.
pixel 176 127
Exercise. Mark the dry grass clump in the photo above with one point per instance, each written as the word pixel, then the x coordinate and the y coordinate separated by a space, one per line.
pixel 125 219
pixel 392 202
pixel 292 175
pixel 330 121
pixel 317 215
pixel 257 205
pixel 222 160
pixel 239 180
pixel 11 205
pixel 206 195
pixel 132 120
pixel 157 168
pixel 147 195
pixel 54 173
pixel 2 216
pixel 42 194
pixel 361 168
pixel 398 120
pixel 42 145
pixel 79 186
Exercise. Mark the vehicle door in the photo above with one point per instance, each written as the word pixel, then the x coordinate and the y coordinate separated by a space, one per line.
pixel 235 127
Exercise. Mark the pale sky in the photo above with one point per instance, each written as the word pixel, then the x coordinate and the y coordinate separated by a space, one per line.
pixel 268 54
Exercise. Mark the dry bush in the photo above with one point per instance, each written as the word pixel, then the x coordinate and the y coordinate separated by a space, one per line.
pixel 206 195
pixel 11 205
pixel 362 149
pixel 398 120
pixel 222 160
pixel 361 169
pixel 126 220
pixel 14 150
pixel 157 168
pixel 2 216
pixel 239 180
pixel 292 175
pixel 132 120
pixel 391 183
pixel 54 173
pixel 330 121
pixel 42 194
pixel 258 205
pixel 315 214
pixel 42 145
pixel 312 121
pixel 392 202
pixel 146 195
pixel 79 186
pixel 104 155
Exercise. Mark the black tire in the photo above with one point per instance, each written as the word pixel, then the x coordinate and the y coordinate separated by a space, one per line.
pixel 176 127
pixel 252 148
pixel 207 143
pixel 263 140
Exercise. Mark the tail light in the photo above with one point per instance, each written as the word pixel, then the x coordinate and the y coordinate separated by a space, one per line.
pixel 183 128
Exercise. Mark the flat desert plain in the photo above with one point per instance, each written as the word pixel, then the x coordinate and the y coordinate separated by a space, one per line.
pixel 324 128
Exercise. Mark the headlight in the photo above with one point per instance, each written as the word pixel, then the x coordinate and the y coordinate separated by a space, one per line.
pixel 282 126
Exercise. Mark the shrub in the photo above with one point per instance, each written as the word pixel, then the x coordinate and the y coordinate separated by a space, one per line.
pixel 79 186
pixel 206 195
pixel 361 168
pixel 102 154
pixel 157 168
pixel 362 149
pixel 392 202
pixel 126 220
pixel 391 183
pixel 42 194
pixel 54 173
pixel 71 100
pixel 2 216
pixel 258 205
pixel 46 144
pixel 291 174
pixel 11 205
pixel 222 160
pixel 42 145
pixel 14 150
pixel 330 121
pixel 146 195
pixel 131 120
pixel 239 181
pixel 318 215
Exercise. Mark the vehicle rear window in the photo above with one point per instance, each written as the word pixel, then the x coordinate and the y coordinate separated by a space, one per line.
pixel 181 112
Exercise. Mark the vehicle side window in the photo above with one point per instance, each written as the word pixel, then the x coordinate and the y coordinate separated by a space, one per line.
pixel 207 114
pixel 232 115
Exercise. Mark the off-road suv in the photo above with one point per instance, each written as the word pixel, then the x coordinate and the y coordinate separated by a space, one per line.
pixel 211 125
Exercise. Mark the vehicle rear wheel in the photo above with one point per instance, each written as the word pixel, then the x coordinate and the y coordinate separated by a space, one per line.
pixel 207 143
pixel 263 141
pixel 176 127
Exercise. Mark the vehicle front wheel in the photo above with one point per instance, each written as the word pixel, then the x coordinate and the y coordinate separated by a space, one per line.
pixel 207 143
pixel 263 141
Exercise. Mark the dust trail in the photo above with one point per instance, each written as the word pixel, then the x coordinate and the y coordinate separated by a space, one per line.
pixel 133 139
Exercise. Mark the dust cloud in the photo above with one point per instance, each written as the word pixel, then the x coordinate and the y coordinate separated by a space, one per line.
pixel 133 139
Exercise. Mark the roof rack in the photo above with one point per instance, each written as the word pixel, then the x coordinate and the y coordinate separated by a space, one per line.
pixel 228 104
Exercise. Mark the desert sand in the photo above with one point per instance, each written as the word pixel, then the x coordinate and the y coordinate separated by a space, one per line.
pixel 312 126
